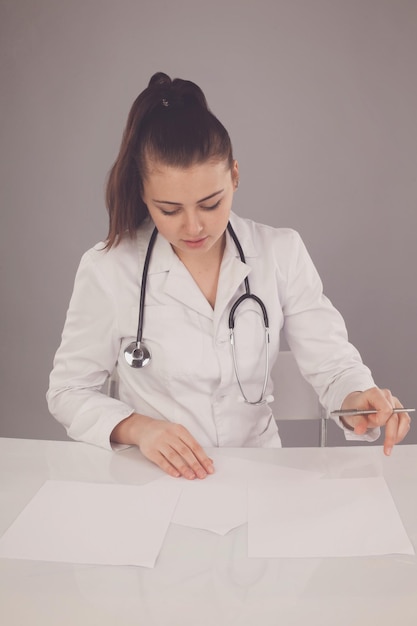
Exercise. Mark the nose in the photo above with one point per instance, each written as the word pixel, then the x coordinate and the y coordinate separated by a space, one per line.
pixel 193 226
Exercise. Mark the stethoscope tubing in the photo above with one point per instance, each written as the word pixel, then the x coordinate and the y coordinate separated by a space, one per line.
pixel 137 355
pixel 247 296
pixel 143 285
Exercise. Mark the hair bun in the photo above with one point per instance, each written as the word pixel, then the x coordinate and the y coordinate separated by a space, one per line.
pixel 160 80
pixel 188 93
pixel 177 93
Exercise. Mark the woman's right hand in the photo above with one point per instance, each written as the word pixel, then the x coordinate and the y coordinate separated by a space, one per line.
pixel 168 445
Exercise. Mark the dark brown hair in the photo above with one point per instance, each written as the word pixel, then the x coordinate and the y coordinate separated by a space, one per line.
pixel 170 123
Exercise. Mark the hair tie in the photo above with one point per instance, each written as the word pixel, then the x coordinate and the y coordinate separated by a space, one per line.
pixel 165 102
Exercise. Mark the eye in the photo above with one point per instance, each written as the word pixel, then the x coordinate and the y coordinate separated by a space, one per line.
pixel 212 207
pixel 164 212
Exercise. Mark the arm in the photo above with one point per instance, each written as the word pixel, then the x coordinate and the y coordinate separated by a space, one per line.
pixel 86 357
pixel 88 353
pixel 317 334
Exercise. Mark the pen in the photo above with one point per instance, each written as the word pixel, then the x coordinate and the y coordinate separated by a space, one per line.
pixel 353 412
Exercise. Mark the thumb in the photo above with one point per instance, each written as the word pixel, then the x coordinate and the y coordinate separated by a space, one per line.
pixel 360 424
pixel 357 423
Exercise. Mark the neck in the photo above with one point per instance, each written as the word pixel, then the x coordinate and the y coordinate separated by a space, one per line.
pixel 205 269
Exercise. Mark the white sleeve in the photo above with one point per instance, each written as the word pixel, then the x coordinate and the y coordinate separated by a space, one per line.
pixel 87 355
pixel 316 333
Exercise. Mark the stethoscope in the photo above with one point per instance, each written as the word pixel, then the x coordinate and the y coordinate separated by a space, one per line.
pixel 138 355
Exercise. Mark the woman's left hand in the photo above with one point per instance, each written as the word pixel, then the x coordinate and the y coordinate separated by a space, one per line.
pixel 396 425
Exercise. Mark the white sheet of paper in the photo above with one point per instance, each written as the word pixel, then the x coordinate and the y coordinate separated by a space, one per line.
pixel 219 502
pixel 324 518
pixel 94 523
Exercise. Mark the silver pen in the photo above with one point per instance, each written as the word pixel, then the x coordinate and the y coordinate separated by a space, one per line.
pixel 353 412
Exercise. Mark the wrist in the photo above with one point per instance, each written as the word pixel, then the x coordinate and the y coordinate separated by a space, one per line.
pixel 346 404
pixel 129 430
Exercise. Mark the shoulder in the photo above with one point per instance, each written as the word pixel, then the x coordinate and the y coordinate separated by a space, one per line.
pixel 265 239
pixel 128 251
pixel 103 257
pixel 117 264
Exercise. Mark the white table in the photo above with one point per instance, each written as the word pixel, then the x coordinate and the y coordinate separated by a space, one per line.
pixel 203 579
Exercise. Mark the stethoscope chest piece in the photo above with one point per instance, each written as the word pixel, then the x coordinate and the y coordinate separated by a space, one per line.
pixel 137 354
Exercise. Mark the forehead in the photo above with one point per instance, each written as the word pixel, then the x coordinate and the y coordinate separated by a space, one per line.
pixel 199 175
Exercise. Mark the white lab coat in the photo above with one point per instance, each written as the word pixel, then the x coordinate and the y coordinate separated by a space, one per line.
pixel 190 378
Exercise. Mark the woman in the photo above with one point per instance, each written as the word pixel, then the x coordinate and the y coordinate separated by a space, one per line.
pixel 175 176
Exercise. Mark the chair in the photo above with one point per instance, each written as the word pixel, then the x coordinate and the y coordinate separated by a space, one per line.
pixel 294 397
pixel 111 386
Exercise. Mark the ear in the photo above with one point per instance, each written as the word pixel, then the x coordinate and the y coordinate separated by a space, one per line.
pixel 235 174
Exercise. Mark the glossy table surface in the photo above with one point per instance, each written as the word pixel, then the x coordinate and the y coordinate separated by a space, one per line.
pixel 200 578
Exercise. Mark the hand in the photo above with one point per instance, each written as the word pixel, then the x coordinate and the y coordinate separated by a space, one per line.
pixel 168 445
pixel 396 425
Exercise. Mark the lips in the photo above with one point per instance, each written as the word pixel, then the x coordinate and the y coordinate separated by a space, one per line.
pixel 195 243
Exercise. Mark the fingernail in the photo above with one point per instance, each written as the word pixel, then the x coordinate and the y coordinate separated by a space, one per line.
pixel 189 474
pixel 210 469
pixel 201 473
pixel 388 451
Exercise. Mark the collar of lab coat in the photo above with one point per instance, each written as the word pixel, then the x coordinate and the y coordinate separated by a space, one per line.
pixel 178 284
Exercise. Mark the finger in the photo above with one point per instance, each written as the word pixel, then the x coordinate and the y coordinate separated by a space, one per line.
pixel 183 458
pixel 195 456
pixel 159 459
pixel 396 428
pixel 177 459
pixel 373 398
pixel 391 430
pixel 383 401
pixel 404 421
pixel 404 426
pixel 198 458
pixel 360 424
pixel 168 459
pixel 201 458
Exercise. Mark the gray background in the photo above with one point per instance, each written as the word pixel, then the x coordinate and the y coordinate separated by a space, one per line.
pixel 320 98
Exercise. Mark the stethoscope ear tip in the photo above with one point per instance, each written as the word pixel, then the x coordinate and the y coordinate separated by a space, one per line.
pixel 137 354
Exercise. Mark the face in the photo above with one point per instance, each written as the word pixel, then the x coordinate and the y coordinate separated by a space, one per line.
pixel 191 206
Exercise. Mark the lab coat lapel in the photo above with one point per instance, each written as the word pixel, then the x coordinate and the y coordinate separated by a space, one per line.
pixel 232 275
pixel 181 286
pixel 178 283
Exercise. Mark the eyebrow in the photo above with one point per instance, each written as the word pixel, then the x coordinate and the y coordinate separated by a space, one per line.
pixel 216 193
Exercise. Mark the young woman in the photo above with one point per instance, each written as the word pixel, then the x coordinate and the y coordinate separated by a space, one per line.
pixel 190 270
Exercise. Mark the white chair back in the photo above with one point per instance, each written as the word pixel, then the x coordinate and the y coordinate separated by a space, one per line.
pixel 294 397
